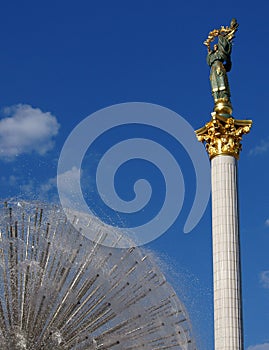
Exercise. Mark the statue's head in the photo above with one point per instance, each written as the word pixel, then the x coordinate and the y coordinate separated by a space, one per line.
pixel 215 47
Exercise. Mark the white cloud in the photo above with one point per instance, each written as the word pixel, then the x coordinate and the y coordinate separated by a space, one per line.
pixel 264 346
pixel 26 129
pixel 267 222
pixel 9 181
pixel 264 278
pixel 30 188
pixel 263 147
pixel 66 182
pixel 49 185
pixel 68 179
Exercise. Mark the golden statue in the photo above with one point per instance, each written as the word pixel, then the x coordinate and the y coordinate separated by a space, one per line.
pixel 219 59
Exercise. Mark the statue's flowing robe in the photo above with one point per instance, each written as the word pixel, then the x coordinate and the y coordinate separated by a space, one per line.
pixel 220 63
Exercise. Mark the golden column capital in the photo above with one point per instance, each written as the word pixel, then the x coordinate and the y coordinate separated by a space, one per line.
pixel 223 135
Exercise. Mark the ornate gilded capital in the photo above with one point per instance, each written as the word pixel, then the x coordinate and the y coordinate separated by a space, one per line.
pixel 223 135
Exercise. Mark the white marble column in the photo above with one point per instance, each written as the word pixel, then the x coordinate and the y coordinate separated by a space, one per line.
pixel 226 254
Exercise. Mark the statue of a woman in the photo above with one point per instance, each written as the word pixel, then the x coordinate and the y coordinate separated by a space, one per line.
pixel 219 60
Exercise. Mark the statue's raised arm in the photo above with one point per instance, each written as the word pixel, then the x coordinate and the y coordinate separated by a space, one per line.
pixel 219 59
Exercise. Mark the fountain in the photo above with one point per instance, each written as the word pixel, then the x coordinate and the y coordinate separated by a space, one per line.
pixel 59 290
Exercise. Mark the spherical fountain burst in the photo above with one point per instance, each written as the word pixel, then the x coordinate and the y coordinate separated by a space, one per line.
pixel 61 291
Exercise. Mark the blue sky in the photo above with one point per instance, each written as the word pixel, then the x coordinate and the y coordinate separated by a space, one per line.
pixel 60 61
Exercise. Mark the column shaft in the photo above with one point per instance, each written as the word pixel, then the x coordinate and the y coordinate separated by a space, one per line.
pixel 226 255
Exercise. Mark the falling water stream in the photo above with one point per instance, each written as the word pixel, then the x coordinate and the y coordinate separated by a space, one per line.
pixel 59 290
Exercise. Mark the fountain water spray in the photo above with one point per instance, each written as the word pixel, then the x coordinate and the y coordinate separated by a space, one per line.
pixel 59 290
